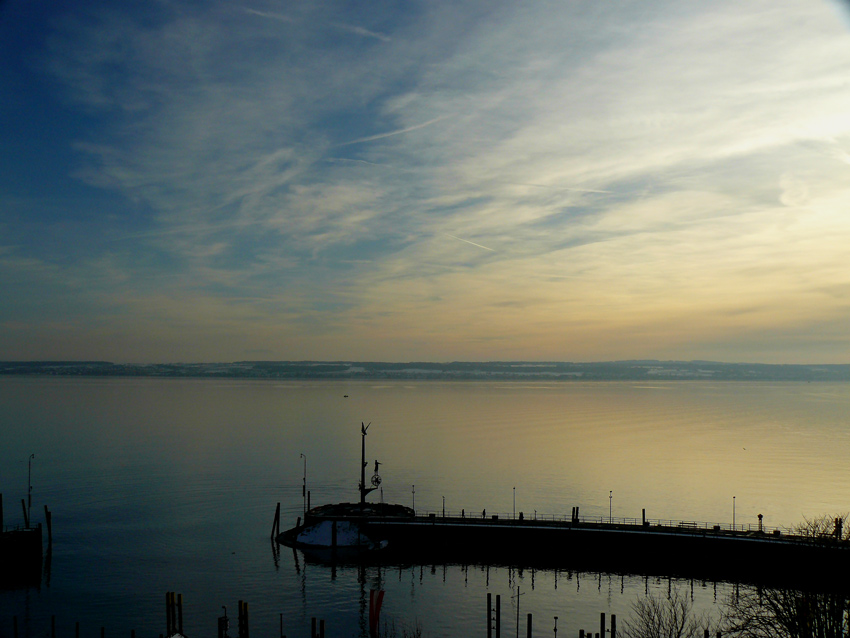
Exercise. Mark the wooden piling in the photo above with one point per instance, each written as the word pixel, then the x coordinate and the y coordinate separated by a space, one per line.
pixel 602 624
pixel 77 630
pixel 52 626
pixel 48 519
pixel 15 626
pixel 313 627
pixel 498 616
pixel 489 615
pixel 180 614
pixel 322 628
pixel 243 619
pixel 528 627
pixel 276 522
pixel 613 625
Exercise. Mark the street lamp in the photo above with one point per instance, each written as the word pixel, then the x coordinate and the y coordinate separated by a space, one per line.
pixel 29 485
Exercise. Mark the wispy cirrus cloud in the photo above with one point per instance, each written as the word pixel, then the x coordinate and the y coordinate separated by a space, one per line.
pixel 650 170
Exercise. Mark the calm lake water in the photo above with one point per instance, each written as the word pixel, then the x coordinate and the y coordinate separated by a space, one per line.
pixel 171 485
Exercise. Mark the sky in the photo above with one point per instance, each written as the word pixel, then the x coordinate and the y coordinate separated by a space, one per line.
pixel 201 181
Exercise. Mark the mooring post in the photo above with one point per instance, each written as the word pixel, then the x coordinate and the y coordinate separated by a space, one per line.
pixel 322 628
pixel 602 624
pixel 613 625
pixel 581 633
pixel 643 517
pixel 489 615
pixel 15 626
pixel 180 614
pixel 77 631
pixel 103 632
pixel 498 616
pixel 313 627
pixel 276 522
pixel 528 627
pixel 706 633
pixel 48 519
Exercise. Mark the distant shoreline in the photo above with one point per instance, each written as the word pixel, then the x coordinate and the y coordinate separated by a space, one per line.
pixel 638 370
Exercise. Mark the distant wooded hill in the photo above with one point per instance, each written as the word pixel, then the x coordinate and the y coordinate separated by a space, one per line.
pixel 515 370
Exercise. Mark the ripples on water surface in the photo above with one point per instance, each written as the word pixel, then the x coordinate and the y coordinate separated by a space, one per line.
pixel 170 485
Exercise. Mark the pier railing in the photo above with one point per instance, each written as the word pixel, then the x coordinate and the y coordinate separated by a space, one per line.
pixel 510 518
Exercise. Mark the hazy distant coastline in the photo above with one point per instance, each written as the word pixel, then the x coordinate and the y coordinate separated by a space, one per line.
pixel 459 370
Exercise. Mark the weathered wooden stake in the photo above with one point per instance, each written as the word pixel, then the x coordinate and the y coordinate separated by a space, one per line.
pixel 276 522
pixel 48 518
pixel 489 615
pixel 180 614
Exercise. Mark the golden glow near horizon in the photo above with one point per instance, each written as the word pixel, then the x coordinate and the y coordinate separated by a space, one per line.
pixel 447 182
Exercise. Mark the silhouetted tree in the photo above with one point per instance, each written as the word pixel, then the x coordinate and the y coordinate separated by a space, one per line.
pixel 670 616
pixel 825 526
pixel 783 613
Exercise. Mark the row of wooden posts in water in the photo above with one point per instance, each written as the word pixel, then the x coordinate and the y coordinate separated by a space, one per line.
pixel 174 622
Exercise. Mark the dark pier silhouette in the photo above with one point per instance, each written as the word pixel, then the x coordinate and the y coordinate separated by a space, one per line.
pixel 21 549
pixel 394 533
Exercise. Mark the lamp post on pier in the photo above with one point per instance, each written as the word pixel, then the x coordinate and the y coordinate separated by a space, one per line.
pixel 29 485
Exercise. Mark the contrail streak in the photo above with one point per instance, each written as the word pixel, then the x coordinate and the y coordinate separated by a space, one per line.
pixel 391 133
pixel 469 242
